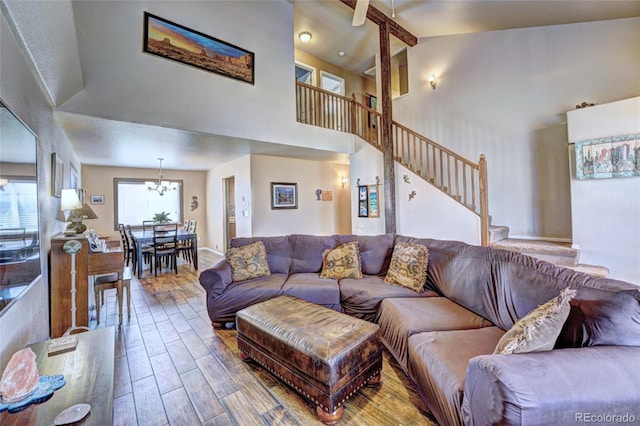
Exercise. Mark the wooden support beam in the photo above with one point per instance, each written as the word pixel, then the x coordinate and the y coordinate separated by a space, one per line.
pixel 388 165
pixel 395 29
pixel 387 27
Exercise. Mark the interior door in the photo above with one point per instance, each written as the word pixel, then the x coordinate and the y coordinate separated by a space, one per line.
pixel 333 108
pixel 229 210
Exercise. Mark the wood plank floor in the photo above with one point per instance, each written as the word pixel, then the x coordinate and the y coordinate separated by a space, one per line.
pixel 171 367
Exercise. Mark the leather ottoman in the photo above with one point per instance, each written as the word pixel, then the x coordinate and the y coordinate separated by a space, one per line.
pixel 326 356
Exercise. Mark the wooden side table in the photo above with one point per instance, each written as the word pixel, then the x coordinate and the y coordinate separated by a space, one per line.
pixel 88 371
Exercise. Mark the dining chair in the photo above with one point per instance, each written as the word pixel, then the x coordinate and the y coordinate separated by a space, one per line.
pixel 127 246
pixel 185 247
pixel 185 226
pixel 165 246
pixel 147 249
pixel 147 225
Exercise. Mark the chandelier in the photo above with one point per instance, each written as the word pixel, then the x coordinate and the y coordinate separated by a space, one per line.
pixel 161 186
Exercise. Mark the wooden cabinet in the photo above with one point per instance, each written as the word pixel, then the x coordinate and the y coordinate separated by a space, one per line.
pixel 87 263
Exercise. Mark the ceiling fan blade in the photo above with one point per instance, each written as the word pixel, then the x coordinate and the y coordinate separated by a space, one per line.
pixel 360 12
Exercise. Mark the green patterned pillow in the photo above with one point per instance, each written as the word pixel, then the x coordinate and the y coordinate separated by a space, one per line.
pixel 342 262
pixel 248 262
pixel 539 329
pixel 408 266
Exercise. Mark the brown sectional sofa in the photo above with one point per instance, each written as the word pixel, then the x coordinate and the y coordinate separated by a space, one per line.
pixel 444 337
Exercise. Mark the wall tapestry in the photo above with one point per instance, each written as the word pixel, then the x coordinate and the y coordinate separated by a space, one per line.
pixel 615 156
pixel 181 44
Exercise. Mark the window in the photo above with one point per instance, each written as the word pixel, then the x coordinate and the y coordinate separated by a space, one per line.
pixel 332 83
pixel 134 203
pixel 19 204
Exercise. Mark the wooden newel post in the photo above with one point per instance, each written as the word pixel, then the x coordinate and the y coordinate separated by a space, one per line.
pixel 484 201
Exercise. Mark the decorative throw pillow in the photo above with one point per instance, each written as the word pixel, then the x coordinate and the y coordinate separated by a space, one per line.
pixel 248 261
pixel 408 266
pixel 341 262
pixel 539 329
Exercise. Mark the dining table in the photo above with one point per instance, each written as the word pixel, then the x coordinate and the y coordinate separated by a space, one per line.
pixel 142 237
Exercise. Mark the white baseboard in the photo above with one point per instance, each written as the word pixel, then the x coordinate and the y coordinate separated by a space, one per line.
pixel 211 250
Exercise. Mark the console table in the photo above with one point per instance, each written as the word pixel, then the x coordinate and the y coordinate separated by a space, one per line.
pixel 88 263
pixel 88 371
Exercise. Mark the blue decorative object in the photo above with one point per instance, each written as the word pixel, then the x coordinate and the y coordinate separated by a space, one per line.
pixel 47 385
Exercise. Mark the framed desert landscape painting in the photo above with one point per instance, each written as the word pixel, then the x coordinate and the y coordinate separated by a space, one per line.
pixel 284 195
pixel 181 44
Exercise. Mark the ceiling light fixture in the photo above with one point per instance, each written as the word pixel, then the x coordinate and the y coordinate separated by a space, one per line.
pixel 305 36
pixel 161 186
pixel 393 9
pixel 341 53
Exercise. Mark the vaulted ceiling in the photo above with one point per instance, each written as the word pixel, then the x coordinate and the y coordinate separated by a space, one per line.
pixel 62 38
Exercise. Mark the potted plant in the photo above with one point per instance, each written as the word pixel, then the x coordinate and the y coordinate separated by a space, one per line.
pixel 162 217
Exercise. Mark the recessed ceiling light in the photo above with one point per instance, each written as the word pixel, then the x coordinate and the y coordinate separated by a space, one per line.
pixel 341 53
pixel 305 36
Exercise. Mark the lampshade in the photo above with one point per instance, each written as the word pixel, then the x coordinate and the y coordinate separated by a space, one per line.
pixel 69 200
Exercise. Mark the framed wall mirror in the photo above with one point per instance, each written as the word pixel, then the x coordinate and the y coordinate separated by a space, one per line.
pixel 19 234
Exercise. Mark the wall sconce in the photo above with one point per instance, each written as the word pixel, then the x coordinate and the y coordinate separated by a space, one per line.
pixel 344 181
pixel 433 81
pixel 305 36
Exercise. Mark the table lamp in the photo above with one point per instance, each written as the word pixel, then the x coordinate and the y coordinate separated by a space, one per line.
pixel 75 212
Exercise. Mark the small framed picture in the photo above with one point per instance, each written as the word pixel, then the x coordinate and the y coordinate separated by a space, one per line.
pixel 284 195
pixel 363 201
pixel 373 201
pixel 97 199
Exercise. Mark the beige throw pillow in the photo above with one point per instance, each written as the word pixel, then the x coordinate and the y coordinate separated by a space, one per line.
pixel 342 262
pixel 539 329
pixel 248 261
pixel 408 266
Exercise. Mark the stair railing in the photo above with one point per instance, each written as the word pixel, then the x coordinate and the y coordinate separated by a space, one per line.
pixel 456 176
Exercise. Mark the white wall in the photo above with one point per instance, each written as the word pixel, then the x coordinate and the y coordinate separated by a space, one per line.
pixel 606 212
pixel 27 321
pixel 431 213
pixel 240 169
pixel 505 94
pixel 365 164
pixel 311 216
pixel 216 104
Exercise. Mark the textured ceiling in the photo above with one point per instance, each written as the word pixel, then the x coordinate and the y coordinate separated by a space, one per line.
pixel 59 38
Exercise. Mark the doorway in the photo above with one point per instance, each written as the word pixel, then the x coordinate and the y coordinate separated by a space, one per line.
pixel 229 210
pixel 333 111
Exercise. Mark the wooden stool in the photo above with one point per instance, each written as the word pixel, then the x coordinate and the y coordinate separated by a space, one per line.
pixel 107 282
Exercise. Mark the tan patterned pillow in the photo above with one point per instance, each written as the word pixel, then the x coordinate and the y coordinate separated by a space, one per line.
pixel 342 262
pixel 248 261
pixel 408 266
pixel 539 329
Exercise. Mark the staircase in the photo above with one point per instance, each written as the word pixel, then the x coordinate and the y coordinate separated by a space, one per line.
pixel 558 253
pixel 461 179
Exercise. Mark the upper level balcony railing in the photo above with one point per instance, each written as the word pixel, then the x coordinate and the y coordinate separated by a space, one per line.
pixel 456 176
